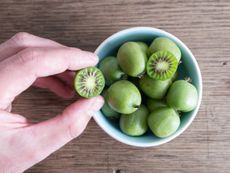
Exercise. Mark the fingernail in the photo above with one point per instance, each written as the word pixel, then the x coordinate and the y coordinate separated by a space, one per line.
pixel 98 102
pixel 93 57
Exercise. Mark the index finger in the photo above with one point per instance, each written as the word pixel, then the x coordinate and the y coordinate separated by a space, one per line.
pixel 23 40
pixel 18 72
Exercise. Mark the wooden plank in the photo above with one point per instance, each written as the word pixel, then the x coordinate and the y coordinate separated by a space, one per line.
pixel 203 25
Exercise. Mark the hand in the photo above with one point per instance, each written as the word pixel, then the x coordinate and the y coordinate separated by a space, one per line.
pixel 27 60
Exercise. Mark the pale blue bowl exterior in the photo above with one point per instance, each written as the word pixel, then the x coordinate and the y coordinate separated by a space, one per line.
pixel 189 67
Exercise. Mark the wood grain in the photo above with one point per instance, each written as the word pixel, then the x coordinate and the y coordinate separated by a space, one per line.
pixel 203 25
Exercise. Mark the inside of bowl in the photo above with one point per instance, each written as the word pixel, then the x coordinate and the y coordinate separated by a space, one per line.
pixel 186 69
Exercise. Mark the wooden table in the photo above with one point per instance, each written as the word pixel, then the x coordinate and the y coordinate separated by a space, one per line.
pixel 204 25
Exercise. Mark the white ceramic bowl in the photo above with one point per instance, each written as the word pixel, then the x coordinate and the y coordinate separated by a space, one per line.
pixel 189 67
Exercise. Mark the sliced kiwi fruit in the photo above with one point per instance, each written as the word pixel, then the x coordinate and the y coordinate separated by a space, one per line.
pixel 89 82
pixel 162 65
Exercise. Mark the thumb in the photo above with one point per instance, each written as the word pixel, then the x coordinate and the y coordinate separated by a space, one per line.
pixel 52 134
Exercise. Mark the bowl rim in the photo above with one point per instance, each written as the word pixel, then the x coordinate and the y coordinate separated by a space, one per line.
pixel 200 87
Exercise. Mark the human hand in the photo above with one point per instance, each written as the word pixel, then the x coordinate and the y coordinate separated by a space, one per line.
pixel 27 60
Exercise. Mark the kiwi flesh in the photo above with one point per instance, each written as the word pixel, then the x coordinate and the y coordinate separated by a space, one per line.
pixel 89 82
pixel 161 65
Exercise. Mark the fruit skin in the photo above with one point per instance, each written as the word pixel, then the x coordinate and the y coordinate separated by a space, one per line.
pixel 123 97
pixel 175 76
pixel 132 59
pixel 161 65
pixel 163 43
pixel 97 78
pixel 144 46
pixel 155 104
pixel 182 96
pixel 107 111
pixel 135 81
pixel 155 89
pixel 110 69
pixel 163 122
pixel 135 124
